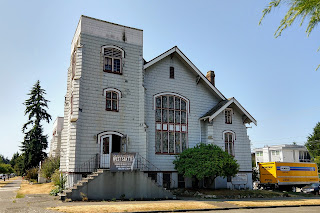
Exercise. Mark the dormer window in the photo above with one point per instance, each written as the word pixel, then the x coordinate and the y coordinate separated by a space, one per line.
pixel 228 116
pixel 112 59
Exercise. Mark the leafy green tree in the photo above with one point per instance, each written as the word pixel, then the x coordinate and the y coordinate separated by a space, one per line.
pixel 313 144
pixel 6 168
pixel 298 10
pixel 35 142
pixel 49 166
pixel 206 161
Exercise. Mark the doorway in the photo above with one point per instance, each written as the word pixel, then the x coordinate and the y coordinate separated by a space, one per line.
pixel 109 144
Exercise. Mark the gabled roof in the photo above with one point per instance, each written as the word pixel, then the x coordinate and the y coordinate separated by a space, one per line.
pixel 222 105
pixel 189 63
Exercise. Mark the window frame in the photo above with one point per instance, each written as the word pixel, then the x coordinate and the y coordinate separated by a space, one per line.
pixel 173 128
pixel 227 144
pixel 113 58
pixel 228 118
pixel 171 73
pixel 118 96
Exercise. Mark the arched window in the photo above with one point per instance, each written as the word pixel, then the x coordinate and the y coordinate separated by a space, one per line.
pixel 171 116
pixel 229 138
pixel 112 59
pixel 112 99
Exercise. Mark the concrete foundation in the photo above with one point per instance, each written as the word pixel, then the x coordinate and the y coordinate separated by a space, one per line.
pixel 120 185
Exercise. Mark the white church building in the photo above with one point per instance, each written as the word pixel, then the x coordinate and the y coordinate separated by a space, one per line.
pixel 116 102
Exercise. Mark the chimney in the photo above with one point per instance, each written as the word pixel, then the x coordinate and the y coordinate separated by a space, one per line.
pixel 210 76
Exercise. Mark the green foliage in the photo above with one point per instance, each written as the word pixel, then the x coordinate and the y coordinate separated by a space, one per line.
pixel 49 166
pixel 313 144
pixel 35 142
pixel 206 161
pixel 298 10
pixel 59 180
pixel 4 159
pixel 17 162
pixel 6 168
pixel 32 174
pixel 55 191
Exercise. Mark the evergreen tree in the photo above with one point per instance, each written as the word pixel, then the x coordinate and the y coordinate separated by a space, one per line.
pixel 35 142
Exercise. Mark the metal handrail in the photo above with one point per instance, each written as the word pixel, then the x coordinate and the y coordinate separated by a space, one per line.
pixel 145 165
pixel 141 163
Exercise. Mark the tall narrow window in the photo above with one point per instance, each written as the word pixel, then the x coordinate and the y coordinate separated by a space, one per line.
pixel 73 64
pixel 112 101
pixel 112 96
pixel 229 142
pixel 228 116
pixel 171 72
pixel 112 59
pixel 171 117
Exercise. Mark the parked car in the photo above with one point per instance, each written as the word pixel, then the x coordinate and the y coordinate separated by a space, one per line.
pixel 311 188
pixel 1 175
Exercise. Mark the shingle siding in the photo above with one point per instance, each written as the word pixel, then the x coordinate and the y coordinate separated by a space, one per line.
pixel 185 83
pixel 136 116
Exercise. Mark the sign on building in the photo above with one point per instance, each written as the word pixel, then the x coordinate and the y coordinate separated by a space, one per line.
pixel 239 179
pixel 122 161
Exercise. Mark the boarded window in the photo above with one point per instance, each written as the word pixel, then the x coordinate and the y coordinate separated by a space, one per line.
pixel 171 118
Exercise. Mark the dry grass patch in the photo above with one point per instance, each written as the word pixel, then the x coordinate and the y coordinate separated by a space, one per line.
pixel 43 188
pixel 136 207
pixel 277 202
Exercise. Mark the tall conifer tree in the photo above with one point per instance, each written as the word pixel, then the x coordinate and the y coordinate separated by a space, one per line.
pixel 35 142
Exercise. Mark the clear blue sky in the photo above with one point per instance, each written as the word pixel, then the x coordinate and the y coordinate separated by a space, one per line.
pixel 274 79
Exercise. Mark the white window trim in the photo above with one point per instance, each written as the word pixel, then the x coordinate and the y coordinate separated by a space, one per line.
pixel 233 138
pixel 111 46
pixel 112 90
pixel 180 126
pixel 174 94
pixel 107 133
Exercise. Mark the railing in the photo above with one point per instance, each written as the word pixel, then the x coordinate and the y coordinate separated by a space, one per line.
pixel 144 165
pixel 141 163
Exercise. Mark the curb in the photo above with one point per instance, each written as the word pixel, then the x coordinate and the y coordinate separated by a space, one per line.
pixel 231 208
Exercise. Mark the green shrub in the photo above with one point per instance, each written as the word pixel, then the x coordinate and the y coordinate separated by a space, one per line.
pixel 59 180
pixel 55 191
pixel 49 166
pixel 32 174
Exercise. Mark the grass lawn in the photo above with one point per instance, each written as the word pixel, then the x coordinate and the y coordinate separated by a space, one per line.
pixel 26 188
pixel 276 202
pixel 136 207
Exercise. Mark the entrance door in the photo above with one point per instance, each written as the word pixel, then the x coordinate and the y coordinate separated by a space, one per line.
pixel 106 147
